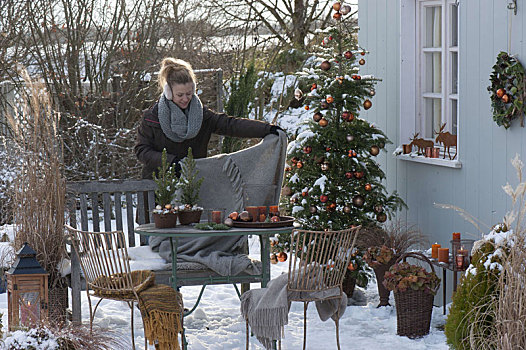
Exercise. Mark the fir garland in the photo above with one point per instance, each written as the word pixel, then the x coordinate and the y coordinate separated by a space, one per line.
pixel 507 90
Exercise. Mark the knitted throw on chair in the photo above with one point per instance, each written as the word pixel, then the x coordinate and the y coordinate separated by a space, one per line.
pixel 266 309
pixel 161 309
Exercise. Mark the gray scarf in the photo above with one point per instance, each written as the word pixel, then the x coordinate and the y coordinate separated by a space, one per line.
pixel 179 125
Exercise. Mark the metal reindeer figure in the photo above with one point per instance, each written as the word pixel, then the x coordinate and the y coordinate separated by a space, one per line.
pixel 447 139
pixel 420 143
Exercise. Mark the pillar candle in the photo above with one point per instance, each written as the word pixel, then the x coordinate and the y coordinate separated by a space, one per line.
pixel 273 209
pixel 443 255
pixel 434 250
pixel 253 211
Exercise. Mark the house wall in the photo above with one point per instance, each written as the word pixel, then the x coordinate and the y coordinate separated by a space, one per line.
pixel 485 149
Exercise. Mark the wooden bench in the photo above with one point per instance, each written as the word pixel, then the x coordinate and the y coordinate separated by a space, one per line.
pixel 99 202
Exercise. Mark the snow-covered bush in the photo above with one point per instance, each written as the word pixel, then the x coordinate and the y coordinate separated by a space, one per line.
pixel 472 315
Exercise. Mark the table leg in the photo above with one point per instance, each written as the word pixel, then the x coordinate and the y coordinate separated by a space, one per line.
pixel 174 261
pixel 264 241
pixel 444 287
pixel 455 281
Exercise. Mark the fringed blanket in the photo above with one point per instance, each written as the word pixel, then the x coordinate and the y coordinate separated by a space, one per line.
pixel 161 309
pixel 252 176
pixel 266 310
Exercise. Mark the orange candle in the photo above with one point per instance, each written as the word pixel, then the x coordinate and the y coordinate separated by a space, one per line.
pixel 434 250
pixel 216 216
pixel 253 211
pixel 443 255
pixel 456 236
pixel 273 209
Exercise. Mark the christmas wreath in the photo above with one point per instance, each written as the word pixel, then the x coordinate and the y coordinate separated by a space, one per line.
pixel 507 90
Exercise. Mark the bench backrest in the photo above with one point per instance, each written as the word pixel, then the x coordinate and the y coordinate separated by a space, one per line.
pixel 108 198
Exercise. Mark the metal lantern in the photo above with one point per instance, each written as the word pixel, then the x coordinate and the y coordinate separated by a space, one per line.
pixel 27 290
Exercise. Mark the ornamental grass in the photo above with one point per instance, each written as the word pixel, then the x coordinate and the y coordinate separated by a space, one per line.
pixel 38 191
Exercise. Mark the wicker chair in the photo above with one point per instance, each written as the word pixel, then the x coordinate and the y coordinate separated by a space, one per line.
pixel 107 271
pixel 317 265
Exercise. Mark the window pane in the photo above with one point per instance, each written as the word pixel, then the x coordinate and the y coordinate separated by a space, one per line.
pixel 454 25
pixel 433 26
pixel 454 117
pixel 433 116
pixel 454 72
pixel 433 72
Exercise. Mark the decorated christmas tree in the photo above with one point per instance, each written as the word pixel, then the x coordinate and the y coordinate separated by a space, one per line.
pixel 332 179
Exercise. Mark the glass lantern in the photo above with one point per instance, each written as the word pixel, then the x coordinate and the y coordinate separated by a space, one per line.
pixel 27 290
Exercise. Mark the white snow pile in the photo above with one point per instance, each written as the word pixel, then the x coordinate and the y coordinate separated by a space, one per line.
pixel 37 339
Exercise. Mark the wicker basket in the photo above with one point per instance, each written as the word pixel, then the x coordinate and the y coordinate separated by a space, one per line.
pixel 414 307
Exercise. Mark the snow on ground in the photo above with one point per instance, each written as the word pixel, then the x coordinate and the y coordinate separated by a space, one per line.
pixel 217 324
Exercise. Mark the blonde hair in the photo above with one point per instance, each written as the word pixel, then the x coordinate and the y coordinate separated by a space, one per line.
pixel 175 71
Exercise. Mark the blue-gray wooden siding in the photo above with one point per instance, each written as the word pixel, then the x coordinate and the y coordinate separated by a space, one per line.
pixel 486 149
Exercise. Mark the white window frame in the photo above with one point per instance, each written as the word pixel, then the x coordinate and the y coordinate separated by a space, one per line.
pixel 412 94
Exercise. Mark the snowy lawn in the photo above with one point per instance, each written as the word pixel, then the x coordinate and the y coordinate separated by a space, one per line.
pixel 217 324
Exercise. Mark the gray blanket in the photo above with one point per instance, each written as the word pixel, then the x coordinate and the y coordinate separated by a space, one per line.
pixel 252 176
pixel 266 309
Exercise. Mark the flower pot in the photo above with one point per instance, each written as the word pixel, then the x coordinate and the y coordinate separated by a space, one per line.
pixel 383 292
pixel 187 217
pixel 349 283
pixel 165 220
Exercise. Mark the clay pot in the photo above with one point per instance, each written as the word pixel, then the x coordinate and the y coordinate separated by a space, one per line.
pixel 349 283
pixel 383 292
pixel 167 220
pixel 187 217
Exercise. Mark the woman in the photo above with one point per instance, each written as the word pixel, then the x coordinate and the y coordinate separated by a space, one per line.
pixel 179 121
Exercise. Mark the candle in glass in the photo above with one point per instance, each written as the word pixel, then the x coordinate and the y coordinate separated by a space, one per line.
pixel 262 213
pixel 273 210
pixel 443 255
pixel 434 250
pixel 462 255
pixel 216 216
pixel 456 236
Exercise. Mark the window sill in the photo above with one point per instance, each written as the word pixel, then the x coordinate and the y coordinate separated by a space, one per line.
pixel 413 157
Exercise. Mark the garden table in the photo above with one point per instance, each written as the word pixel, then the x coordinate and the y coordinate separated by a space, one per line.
pixel 181 231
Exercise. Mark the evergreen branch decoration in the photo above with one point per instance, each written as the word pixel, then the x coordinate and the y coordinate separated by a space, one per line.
pixel 188 182
pixel 507 90
pixel 166 180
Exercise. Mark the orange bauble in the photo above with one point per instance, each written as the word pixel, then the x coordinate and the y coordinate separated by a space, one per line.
pixel 337 15
pixel 368 187
pixel 323 122
pixel 299 165
pixel 367 104
pixel 500 93
pixel 307 108
pixel 330 99
pixel 337 6
pixel 505 98
pixel 282 256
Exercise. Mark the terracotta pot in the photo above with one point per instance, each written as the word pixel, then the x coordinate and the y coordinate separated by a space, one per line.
pixel 187 217
pixel 383 292
pixel 349 283
pixel 165 220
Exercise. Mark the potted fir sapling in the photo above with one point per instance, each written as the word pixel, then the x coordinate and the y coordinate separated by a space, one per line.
pixel 358 274
pixel 189 186
pixel 165 214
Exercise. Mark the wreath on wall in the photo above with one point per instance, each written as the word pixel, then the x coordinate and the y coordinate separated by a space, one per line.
pixel 507 90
